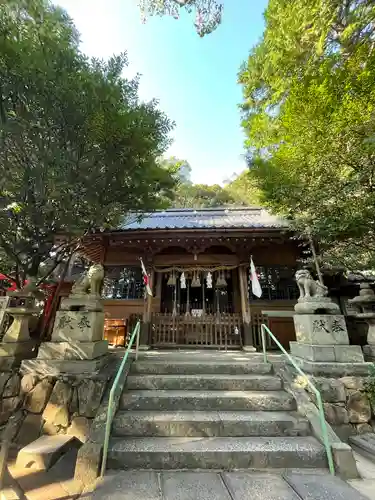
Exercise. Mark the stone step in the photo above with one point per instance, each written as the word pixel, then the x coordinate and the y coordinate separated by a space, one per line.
pixel 321 487
pixel 211 423
pixel 215 453
pixel 205 382
pixel 207 400
pixel 42 453
pixel 199 367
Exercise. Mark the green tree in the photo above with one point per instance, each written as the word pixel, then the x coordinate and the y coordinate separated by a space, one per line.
pixel 243 190
pixel 308 109
pixel 78 149
pixel 208 13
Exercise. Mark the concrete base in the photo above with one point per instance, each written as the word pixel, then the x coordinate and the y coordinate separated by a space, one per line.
pixel 327 369
pixel 72 350
pixel 330 353
pixel 55 367
pixel 369 352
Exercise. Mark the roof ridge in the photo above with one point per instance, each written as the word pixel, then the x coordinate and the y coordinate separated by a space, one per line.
pixel 209 209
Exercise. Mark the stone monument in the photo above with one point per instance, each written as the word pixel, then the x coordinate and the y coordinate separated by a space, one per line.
pixel 322 345
pixel 76 344
pixel 365 304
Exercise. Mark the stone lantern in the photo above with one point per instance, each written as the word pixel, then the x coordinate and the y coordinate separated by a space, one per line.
pixel 365 304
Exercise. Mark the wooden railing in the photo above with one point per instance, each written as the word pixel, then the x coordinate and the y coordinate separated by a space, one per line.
pixel 223 331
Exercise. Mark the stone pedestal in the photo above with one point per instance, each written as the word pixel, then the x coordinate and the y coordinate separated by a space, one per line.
pixel 76 344
pixel 16 344
pixel 322 346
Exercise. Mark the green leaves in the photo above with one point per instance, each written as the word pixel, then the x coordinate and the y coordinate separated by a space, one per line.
pixel 309 119
pixel 78 148
pixel 208 13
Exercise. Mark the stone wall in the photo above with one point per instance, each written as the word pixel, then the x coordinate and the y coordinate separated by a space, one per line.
pixel 346 404
pixel 50 405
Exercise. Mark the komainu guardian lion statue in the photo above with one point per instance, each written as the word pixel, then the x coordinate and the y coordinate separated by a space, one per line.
pixel 313 296
pixel 90 282
pixel 308 287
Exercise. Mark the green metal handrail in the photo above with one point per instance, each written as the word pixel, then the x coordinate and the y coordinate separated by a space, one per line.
pixel 323 425
pixel 110 412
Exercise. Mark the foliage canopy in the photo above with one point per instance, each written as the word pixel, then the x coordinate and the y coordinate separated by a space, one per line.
pixel 78 148
pixel 309 116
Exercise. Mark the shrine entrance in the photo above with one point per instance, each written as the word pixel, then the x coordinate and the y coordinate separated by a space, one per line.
pixel 197 309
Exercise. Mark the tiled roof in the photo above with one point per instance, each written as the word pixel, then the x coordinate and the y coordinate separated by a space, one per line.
pixel 206 218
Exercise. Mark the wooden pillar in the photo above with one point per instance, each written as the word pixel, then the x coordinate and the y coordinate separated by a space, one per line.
pixel 147 310
pixel 248 343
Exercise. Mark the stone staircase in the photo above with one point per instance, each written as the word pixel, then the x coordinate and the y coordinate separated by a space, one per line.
pixel 209 411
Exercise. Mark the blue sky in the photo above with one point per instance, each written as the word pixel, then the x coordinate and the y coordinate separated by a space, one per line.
pixel 195 79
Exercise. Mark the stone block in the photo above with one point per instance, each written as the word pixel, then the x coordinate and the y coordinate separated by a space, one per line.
pixel 138 485
pixel 28 382
pixel 90 393
pixel 81 303
pixel 4 377
pixel 315 486
pixel 333 369
pixel 187 485
pixel 356 383
pixel 72 350
pixel 54 368
pixel 13 426
pixel 12 387
pixel 51 429
pixel 9 363
pixel 257 486
pixel 369 352
pixel 56 412
pixel 359 408
pixel 345 464
pixel 24 349
pixel 312 352
pixel 321 329
pixel 74 404
pixel 363 428
pixel 30 429
pixel 44 452
pixel 366 444
pixel 81 326
pixel 348 354
pixel 331 390
pixel 80 428
pixel 89 460
pixel 36 399
pixel 7 407
pixel 336 413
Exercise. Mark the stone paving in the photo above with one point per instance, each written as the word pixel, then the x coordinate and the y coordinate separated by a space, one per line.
pixel 239 485
pixel 366 484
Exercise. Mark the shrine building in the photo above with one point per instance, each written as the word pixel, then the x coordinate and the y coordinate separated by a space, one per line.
pixel 198 266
